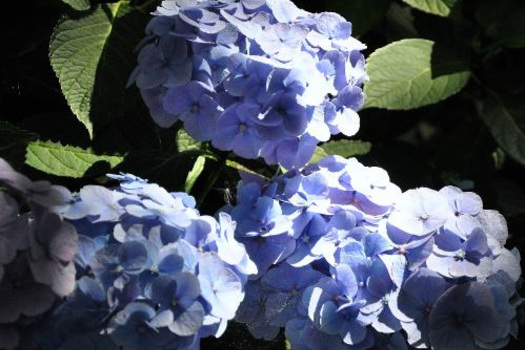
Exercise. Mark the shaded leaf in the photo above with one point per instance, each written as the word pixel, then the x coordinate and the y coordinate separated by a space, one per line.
pixel 62 160
pixel 167 169
pixel 363 14
pixel 504 21
pixel 93 57
pixel 464 157
pixel 62 127
pixel 437 7
pixel 458 34
pixel 13 141
pixel 412 73
pixel 412 169
pixel 347 148
pixel 401 22
pixel 11 134
pixel 505 117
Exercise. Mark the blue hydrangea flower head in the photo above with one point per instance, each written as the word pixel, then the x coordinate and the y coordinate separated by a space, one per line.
pixel 37 249
pixel 414 303
pixel 362 264
pixel 139 326
pixel 263 74
pixel 178 296
pixel 252 312
pixel 466 315
pixel 151 271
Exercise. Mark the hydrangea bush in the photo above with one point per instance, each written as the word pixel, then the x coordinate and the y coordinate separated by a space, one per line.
pixel 335 254
pixel 259 78
pixel 328 252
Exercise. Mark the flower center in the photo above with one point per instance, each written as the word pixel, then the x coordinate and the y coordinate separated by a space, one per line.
pixel 461 255
pixel 142 330
pixel 195 108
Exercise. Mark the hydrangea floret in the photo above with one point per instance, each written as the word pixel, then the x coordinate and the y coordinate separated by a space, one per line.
pixel 259 78
pixel 346 260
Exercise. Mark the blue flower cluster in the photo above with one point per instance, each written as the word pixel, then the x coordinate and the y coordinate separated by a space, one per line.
pixel 37 249
pixel 262 78
pixel 347 261
pixel 152 273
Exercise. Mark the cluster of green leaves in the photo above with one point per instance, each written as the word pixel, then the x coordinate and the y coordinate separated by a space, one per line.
pixel 445 102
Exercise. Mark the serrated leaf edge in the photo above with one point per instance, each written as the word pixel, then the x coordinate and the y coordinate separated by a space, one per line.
pixel 78 151
pixel 378 51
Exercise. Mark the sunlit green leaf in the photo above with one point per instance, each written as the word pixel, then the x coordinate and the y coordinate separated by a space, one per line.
pixel 186 143
pixel 437 7
pixel 79 5
pixel 412 73
pixel 194 173
pixel 62 160
pixel 347 148
pixel 319 154
pixel 93 57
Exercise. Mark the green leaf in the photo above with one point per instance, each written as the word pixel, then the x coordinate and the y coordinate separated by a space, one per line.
pixel 412 73
pixel 400 22
pixel 363 14
pixel 54 158
pixel 187 143
pixel 442 8
pixel 504 21
pixel 93 57
pixel 319 154
pixel 505 117
pixel 79 5
pixel 513 30
pixel 347 148
pixel 194 173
